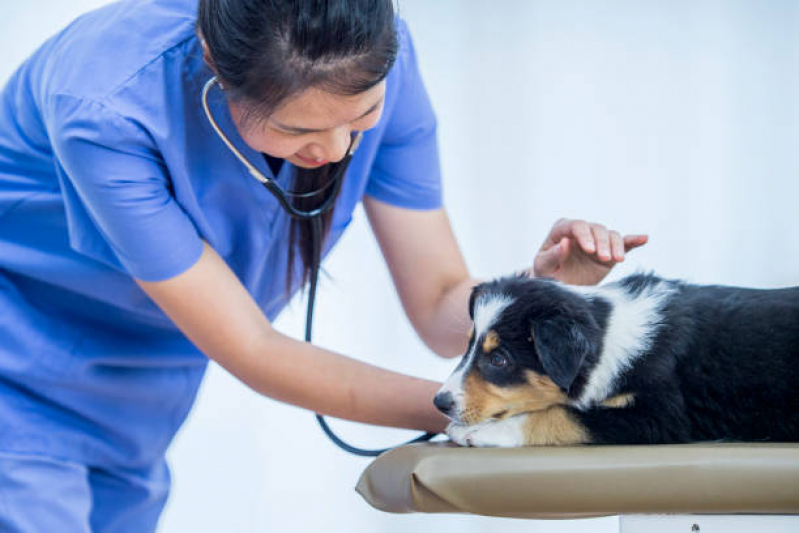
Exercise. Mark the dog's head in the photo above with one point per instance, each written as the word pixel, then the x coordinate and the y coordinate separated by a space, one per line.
pixel 531 343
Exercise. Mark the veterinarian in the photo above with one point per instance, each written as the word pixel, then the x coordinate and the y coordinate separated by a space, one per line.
pixel 134 244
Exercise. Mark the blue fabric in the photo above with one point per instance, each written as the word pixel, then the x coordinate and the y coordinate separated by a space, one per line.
pixel 109 170
pixel 44 494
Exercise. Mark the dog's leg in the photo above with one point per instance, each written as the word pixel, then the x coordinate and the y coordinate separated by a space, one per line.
pixel 505 433
pixel 658 418
pixel 556 426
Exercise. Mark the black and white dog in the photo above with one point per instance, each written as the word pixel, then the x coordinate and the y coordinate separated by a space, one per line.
pixel 640 361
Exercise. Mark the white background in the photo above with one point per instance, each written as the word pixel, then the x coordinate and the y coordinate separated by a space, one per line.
pixel 679 119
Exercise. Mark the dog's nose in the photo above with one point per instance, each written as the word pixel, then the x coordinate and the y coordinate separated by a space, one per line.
pixel 444 402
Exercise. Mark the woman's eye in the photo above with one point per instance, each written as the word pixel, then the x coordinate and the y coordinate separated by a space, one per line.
pixel 281 131
pixel 369 121
pixel 498 360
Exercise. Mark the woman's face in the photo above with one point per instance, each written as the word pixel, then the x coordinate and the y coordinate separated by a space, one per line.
pixel 313 128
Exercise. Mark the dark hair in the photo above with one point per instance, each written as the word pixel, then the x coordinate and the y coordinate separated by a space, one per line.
pixel 266 51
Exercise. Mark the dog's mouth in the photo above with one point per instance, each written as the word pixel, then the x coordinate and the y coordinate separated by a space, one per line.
pixel 474 418
pixel 470 417
pixel 476 400
pixel 479 400
pixel 474 413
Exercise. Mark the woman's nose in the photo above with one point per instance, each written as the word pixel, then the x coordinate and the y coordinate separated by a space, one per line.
pixel 335 143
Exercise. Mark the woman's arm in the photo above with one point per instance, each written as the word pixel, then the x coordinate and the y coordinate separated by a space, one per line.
pixel 213 309
pixel 433 282
pixel 428 270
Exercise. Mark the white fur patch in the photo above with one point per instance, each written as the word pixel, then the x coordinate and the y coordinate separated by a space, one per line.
pixel 507 433
pixel 487 309
pixel 631 326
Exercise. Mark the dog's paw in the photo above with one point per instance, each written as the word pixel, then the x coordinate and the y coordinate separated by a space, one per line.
pixel 506 433
pixel 459 434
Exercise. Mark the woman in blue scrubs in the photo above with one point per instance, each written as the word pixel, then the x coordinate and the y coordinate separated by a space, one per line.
pixel 134 246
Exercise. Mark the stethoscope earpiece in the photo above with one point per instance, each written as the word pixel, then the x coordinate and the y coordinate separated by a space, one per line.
pixel 250 167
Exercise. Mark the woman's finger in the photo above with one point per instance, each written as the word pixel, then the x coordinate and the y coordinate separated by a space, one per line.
pixel 616 246
pixel 634 241
pixel 580 231
pixel 602 239
pixel 559 230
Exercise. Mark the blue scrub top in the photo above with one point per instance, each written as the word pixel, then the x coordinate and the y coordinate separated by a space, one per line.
pixel 109 170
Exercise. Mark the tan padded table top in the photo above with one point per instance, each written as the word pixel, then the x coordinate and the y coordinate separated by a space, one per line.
pixel 583 481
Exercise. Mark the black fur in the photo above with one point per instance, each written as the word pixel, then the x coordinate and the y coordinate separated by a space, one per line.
pixel 722 364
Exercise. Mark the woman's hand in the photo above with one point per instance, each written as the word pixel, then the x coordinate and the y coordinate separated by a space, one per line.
pixel 582 253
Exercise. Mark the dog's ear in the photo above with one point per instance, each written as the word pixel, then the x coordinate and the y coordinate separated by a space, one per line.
pixel 562 344
pixel 476 291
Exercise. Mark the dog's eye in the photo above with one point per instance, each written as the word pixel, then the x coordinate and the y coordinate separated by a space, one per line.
pixel 498 360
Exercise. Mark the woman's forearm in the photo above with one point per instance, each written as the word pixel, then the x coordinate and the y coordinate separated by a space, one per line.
pixel 446 328
pixel 212 308
pixel 328 383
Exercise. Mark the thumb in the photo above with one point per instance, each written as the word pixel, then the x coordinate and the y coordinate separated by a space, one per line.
pixel 548 262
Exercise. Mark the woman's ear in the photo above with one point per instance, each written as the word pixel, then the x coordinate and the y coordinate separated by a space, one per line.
pixel 209 60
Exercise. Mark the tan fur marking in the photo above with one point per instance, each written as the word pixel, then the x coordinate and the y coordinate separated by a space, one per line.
pixel 554 427
pixel 484 400
pixel 491 341
pixel 471 334
pixel 620 400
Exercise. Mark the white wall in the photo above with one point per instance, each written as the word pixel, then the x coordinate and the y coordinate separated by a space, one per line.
pixel 679 119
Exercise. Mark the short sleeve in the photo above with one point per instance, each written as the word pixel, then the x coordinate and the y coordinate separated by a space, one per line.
pixel 406 171
pixel 117 193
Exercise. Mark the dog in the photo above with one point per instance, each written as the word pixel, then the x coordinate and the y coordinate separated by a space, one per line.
pixel 643 360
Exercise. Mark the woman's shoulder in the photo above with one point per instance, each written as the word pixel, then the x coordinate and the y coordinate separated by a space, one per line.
pixel 122 44
pixel 406 53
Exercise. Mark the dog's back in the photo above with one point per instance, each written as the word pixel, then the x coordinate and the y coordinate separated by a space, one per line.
pixel 722 366
pixel 738 375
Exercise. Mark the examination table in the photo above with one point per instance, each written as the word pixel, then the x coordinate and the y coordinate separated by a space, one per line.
pixel 707 487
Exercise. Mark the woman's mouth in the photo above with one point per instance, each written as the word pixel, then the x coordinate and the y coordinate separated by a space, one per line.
pixel 311 161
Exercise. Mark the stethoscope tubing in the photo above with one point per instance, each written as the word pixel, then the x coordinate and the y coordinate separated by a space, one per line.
pixel 314 216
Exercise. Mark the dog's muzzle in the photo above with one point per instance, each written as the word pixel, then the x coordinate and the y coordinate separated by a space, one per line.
pixel 445 402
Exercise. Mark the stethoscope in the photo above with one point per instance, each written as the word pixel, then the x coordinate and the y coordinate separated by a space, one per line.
pixel 315 216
